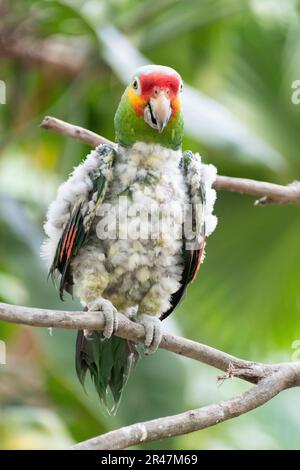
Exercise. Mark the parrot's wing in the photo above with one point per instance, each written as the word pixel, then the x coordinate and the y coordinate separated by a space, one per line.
pixel 194 237
pixel 83 192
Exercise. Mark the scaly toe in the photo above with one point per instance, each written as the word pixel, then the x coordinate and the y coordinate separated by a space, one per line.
pixel 153 332
pixel 111 320
pixel 157 336
pixel 110 316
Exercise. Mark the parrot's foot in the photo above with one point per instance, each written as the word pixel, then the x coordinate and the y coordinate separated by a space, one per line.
pixel 153 332
pixel 110 315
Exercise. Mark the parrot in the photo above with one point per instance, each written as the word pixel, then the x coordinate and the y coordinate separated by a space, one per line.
pixel 126 232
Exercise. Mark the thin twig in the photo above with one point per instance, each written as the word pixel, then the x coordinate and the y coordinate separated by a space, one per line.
pixel 269 193
pixel 75 132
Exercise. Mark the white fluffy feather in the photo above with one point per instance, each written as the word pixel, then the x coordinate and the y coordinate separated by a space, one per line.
pixel 69 193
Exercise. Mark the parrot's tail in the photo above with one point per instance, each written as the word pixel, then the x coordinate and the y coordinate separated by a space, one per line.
pixel 109 362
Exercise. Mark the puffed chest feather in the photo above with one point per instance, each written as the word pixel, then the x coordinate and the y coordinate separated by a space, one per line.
pixel 147 196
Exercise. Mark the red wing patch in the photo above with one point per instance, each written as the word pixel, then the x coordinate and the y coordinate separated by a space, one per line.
pixel 68 243
pixel 198 261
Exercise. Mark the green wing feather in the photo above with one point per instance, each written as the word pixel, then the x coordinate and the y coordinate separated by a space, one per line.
pixel 109 362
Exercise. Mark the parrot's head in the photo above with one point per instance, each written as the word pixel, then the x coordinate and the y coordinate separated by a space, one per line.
pixel 150 108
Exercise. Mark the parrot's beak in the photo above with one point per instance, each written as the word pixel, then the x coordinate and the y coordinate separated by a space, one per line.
pixel 158 111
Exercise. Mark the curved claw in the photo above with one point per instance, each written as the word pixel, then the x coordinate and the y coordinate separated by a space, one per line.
pixel 153 332
pixel 110 315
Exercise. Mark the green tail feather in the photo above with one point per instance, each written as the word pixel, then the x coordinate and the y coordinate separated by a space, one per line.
pixel 109 362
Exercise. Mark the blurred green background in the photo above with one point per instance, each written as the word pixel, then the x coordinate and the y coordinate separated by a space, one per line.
pixel 71 59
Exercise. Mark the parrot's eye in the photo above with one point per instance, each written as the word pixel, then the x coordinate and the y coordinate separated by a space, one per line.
pixel 181 87
pixel 135 84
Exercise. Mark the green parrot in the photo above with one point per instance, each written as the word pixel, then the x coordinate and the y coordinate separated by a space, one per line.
pixel 127 229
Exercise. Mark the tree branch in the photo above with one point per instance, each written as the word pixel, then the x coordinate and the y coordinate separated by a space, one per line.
pixel 271 379
pixel 75 132
pixel 197 419
pixel 54 53
pixel 269 193
pixel 250 371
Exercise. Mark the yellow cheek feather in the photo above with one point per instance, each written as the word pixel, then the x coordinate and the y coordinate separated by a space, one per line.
pixel 137 102
pixel 176 105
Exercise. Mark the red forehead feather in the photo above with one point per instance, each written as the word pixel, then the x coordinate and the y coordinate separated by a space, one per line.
pixel 161 80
